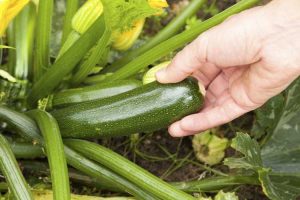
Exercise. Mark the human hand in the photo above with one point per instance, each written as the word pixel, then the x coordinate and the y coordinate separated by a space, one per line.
pixel 242 63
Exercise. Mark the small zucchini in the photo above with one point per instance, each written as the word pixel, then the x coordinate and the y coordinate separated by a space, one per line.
pixel 147 108
pixel 89 93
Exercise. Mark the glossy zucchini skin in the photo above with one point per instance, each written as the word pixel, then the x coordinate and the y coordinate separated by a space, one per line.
pixel 147 108
pixel 89 93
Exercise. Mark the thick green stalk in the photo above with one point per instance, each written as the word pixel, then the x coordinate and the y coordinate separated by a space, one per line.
pixel 93 169
pixel 24 23
pixel 25 126
pixel 215 184
pixel 11 58
pixel 40 168
pixel 128 169
pixel 66 63
pixel 71 9
pixel 42 42
pixel 204 185
pixel 171 29
pixel 13 175
pixel 177 41
pixel 87 65
pixel 28 129
pixel 27 150
pixel 56 159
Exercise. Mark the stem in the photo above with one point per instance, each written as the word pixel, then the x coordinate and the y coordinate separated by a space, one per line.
pixel 24 23
pixel 73 158
pixel 54 148
pixel 13 175
pixel 215 183
pixel 42 43
pixel 177 41
pixel 1 42
pixel 205 185
pixel 25 126
pixel 126 168
pixel 11 60
pixel 170 30
pixel 48 195
pixel 71 9
pixel 89 63
pixel 27 150
pixel 66 63
pixel 93 169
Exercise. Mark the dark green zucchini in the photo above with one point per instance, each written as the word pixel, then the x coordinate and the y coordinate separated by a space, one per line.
pixel 147 108
pixel 89 93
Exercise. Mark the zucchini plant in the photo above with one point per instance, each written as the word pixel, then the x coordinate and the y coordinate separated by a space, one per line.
pixel 98 86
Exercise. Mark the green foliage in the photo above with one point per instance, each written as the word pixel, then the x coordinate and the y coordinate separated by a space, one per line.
pixel 252 160
pixel 120 14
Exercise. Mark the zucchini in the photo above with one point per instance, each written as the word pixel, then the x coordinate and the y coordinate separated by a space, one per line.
pixel 147 108
pixel 89 93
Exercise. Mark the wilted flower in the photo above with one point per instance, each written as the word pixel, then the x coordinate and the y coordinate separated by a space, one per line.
pixel 209 148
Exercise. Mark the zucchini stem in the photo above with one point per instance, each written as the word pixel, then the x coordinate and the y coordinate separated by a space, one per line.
pixel 43 34
pixel 54 148
pixel 12 173
pixel 71 9
pixel 127 169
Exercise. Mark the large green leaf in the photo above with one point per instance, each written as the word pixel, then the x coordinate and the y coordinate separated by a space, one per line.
pixel 276 186
pixel 282 151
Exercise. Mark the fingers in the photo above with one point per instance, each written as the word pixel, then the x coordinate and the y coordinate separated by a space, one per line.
pixel 185 63
pixel 213 117
pixel 235 42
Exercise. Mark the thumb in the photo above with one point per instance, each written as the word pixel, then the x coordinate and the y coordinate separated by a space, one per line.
pixel 235 42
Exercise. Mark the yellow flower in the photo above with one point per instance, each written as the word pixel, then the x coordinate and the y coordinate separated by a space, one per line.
pixel 124 40
pixel 8 10
pixel 158 3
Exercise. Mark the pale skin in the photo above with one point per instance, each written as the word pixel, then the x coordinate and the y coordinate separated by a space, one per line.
pixel 242 63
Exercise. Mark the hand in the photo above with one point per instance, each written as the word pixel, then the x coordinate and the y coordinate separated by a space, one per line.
pixel 242 63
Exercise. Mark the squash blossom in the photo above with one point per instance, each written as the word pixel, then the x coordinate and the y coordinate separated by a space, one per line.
pixel 124 40
pixel 8 10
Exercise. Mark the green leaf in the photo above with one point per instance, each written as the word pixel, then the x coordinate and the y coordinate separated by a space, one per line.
pixel 281 189
pixel 248 147
pixel 268 116
pixel 282 151
pixel 277 186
